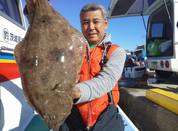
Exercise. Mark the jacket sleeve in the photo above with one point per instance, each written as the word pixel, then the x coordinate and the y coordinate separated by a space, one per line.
pixel 105 80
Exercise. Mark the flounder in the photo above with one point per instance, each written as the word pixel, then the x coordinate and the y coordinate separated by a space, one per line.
pixel 49 60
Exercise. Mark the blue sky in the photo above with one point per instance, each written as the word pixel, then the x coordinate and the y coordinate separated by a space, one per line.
pixel 127 32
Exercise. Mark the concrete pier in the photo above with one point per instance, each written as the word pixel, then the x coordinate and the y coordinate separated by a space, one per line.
pixel 146 115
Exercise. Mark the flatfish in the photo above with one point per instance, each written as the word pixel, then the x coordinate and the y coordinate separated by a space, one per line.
pixel 49 60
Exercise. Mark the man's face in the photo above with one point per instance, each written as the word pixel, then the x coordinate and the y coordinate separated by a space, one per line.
pixel 93 26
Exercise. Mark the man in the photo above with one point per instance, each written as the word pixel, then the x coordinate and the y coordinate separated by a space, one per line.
pixel 96 95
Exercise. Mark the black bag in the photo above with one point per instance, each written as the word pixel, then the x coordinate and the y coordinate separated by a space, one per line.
pixel 73 122
pixel 110 120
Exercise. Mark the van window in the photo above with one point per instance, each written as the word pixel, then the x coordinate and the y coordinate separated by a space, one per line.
pixel 160 33
pixel 157 30
pixel 10 9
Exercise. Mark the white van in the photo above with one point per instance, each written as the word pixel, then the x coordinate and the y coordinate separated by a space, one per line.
pixel 162 31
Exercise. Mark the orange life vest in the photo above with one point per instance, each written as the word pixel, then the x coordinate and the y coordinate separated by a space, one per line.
pixel 91 110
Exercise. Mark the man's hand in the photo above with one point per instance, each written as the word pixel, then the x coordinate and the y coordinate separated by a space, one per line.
pixel 76 93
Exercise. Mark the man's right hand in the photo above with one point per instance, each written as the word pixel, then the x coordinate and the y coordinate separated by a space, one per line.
pixel 76 93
